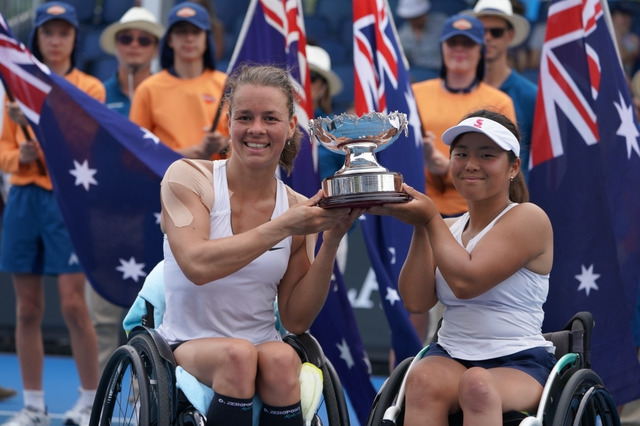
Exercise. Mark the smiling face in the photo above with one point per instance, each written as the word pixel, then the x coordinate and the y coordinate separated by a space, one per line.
pixel 480 169
pixel 259 124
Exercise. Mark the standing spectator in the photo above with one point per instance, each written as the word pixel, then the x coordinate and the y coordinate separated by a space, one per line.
pixel 179 104
pixel 441 102
pixel 35 241
pixel 503 30
pixel 419 32
pixel 134 42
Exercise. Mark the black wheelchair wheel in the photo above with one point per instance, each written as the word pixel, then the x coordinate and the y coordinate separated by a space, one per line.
pixel 387 395
pixel 585 401
pixel 162 401
pixel 122 397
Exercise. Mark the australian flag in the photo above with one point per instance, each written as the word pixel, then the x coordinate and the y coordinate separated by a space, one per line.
pixel 105 170
pixel 382 84
pixel 585 171
pixel 273 34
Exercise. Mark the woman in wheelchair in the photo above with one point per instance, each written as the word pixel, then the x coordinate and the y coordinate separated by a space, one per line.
pixel 237 237
pixel 490 268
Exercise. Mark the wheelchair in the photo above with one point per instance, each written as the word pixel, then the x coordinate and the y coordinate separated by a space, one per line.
pixel 573 394
pixel 142 385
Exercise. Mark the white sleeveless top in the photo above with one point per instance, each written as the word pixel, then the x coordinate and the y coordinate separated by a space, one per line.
pixel 502 321
pixel 240 305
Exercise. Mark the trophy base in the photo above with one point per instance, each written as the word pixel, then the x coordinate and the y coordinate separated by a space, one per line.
pixel 362 190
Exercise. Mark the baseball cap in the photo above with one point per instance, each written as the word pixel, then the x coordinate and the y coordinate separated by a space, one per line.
pixel 56 10
pixel 193 14
pixel 136 18
pixel 492 129
pixel 465 25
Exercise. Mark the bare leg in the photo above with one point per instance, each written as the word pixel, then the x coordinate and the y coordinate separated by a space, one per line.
pixel 278 374
pixel 84 343
pixel 29 313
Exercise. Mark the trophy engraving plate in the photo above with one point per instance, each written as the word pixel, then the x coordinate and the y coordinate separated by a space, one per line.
pixel 362 181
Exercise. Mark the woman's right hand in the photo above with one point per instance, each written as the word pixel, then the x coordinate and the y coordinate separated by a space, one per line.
pixel 16 114
pixel 308 218
pixel 28 152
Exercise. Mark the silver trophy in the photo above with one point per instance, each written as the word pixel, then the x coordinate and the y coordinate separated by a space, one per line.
pixel 362 181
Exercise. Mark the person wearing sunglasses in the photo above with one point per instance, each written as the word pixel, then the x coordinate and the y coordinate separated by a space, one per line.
pixel 133 40
pixel 181 104
pixel 506 30
pixel 35 240
pixel 441 102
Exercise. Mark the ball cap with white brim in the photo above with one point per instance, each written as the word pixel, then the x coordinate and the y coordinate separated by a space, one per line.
pixel 493 130
pixel 136 18
pixel 503 9
pixel 320 62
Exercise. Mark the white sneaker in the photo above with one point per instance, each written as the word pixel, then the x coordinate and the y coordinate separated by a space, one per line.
pixel 78 416
pixel 28 417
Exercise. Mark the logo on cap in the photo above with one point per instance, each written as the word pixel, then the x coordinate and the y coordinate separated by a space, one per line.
pixel 56 10
pixel 186 12
pixel 462 24
pixel 478 123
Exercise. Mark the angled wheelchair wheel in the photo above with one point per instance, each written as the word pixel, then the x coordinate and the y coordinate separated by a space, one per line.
pixel 122 397
pixel 584 401
pixel 334 401
pixel 162 401
pixel 387 395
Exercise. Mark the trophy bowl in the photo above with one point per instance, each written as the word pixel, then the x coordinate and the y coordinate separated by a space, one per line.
pixel 362 181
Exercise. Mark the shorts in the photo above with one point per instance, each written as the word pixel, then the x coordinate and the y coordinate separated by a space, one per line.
pixel 35 239
pixel 536 362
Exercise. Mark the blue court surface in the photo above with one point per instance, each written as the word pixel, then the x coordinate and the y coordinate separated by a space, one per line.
pixel 61 387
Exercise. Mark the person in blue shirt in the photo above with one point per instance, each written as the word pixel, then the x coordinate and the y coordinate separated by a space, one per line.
pixel 504 30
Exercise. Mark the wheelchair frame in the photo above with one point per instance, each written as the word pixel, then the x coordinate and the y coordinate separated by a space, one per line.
pixel 573 394
pixel 138 385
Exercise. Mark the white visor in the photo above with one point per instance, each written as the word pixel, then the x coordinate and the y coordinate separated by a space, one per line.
pixel 493 130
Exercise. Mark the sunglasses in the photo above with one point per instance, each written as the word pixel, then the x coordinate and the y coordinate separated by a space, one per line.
pixel 315 76
pixel 495 32
pixel 463 41
pixel 127 39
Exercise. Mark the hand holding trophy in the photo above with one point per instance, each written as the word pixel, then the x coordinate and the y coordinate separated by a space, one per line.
pixel 362 181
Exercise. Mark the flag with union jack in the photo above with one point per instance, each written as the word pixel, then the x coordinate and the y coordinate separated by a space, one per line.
pixel 382 84
pixel 273 33
pixel 93 156
pixel 585 171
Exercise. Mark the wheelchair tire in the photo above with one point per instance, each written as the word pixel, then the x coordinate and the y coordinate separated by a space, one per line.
pixel 387 395
pixel 122 397
pixel 585 401
pixel 162 398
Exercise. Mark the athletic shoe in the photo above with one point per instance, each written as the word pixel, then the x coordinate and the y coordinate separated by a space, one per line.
pixel 29 417
pixel 78 416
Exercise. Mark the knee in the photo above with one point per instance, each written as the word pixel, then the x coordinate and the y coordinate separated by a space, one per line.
pixel 477 391
pixel 30 312
pixel 423 387
pixel 74 309
pixel 240 358
pixel 280 365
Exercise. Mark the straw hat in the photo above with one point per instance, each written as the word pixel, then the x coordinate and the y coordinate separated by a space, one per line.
pixel 504 10
pixel 320 62
pixel 408 9
pixel 136 18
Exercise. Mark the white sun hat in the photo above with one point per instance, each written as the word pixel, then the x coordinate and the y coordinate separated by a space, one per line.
pixel 492 129
pixel 408 9
pixel 320 62
pixel 136 18
pixel 503 9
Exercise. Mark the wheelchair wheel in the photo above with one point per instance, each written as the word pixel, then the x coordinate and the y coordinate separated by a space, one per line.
pixel 387 395
pixel 334 400
pixel 122 397
pixel 162 401
pixel 585 401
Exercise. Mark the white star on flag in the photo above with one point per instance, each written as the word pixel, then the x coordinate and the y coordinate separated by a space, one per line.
pixel 345 353
pixel 587 280
pixel 392 295
pixel 627 127
pixel 83 174
pixel 157 216
pixel 131 269
pixel 149 135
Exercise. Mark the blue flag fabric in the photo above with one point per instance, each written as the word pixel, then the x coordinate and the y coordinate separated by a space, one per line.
pixel 273 33
pixel 585 172
pixel 383 84
pixel 105 170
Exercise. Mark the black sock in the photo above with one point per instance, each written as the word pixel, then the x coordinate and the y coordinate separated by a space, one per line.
pixel 281 416
pixel 225 410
